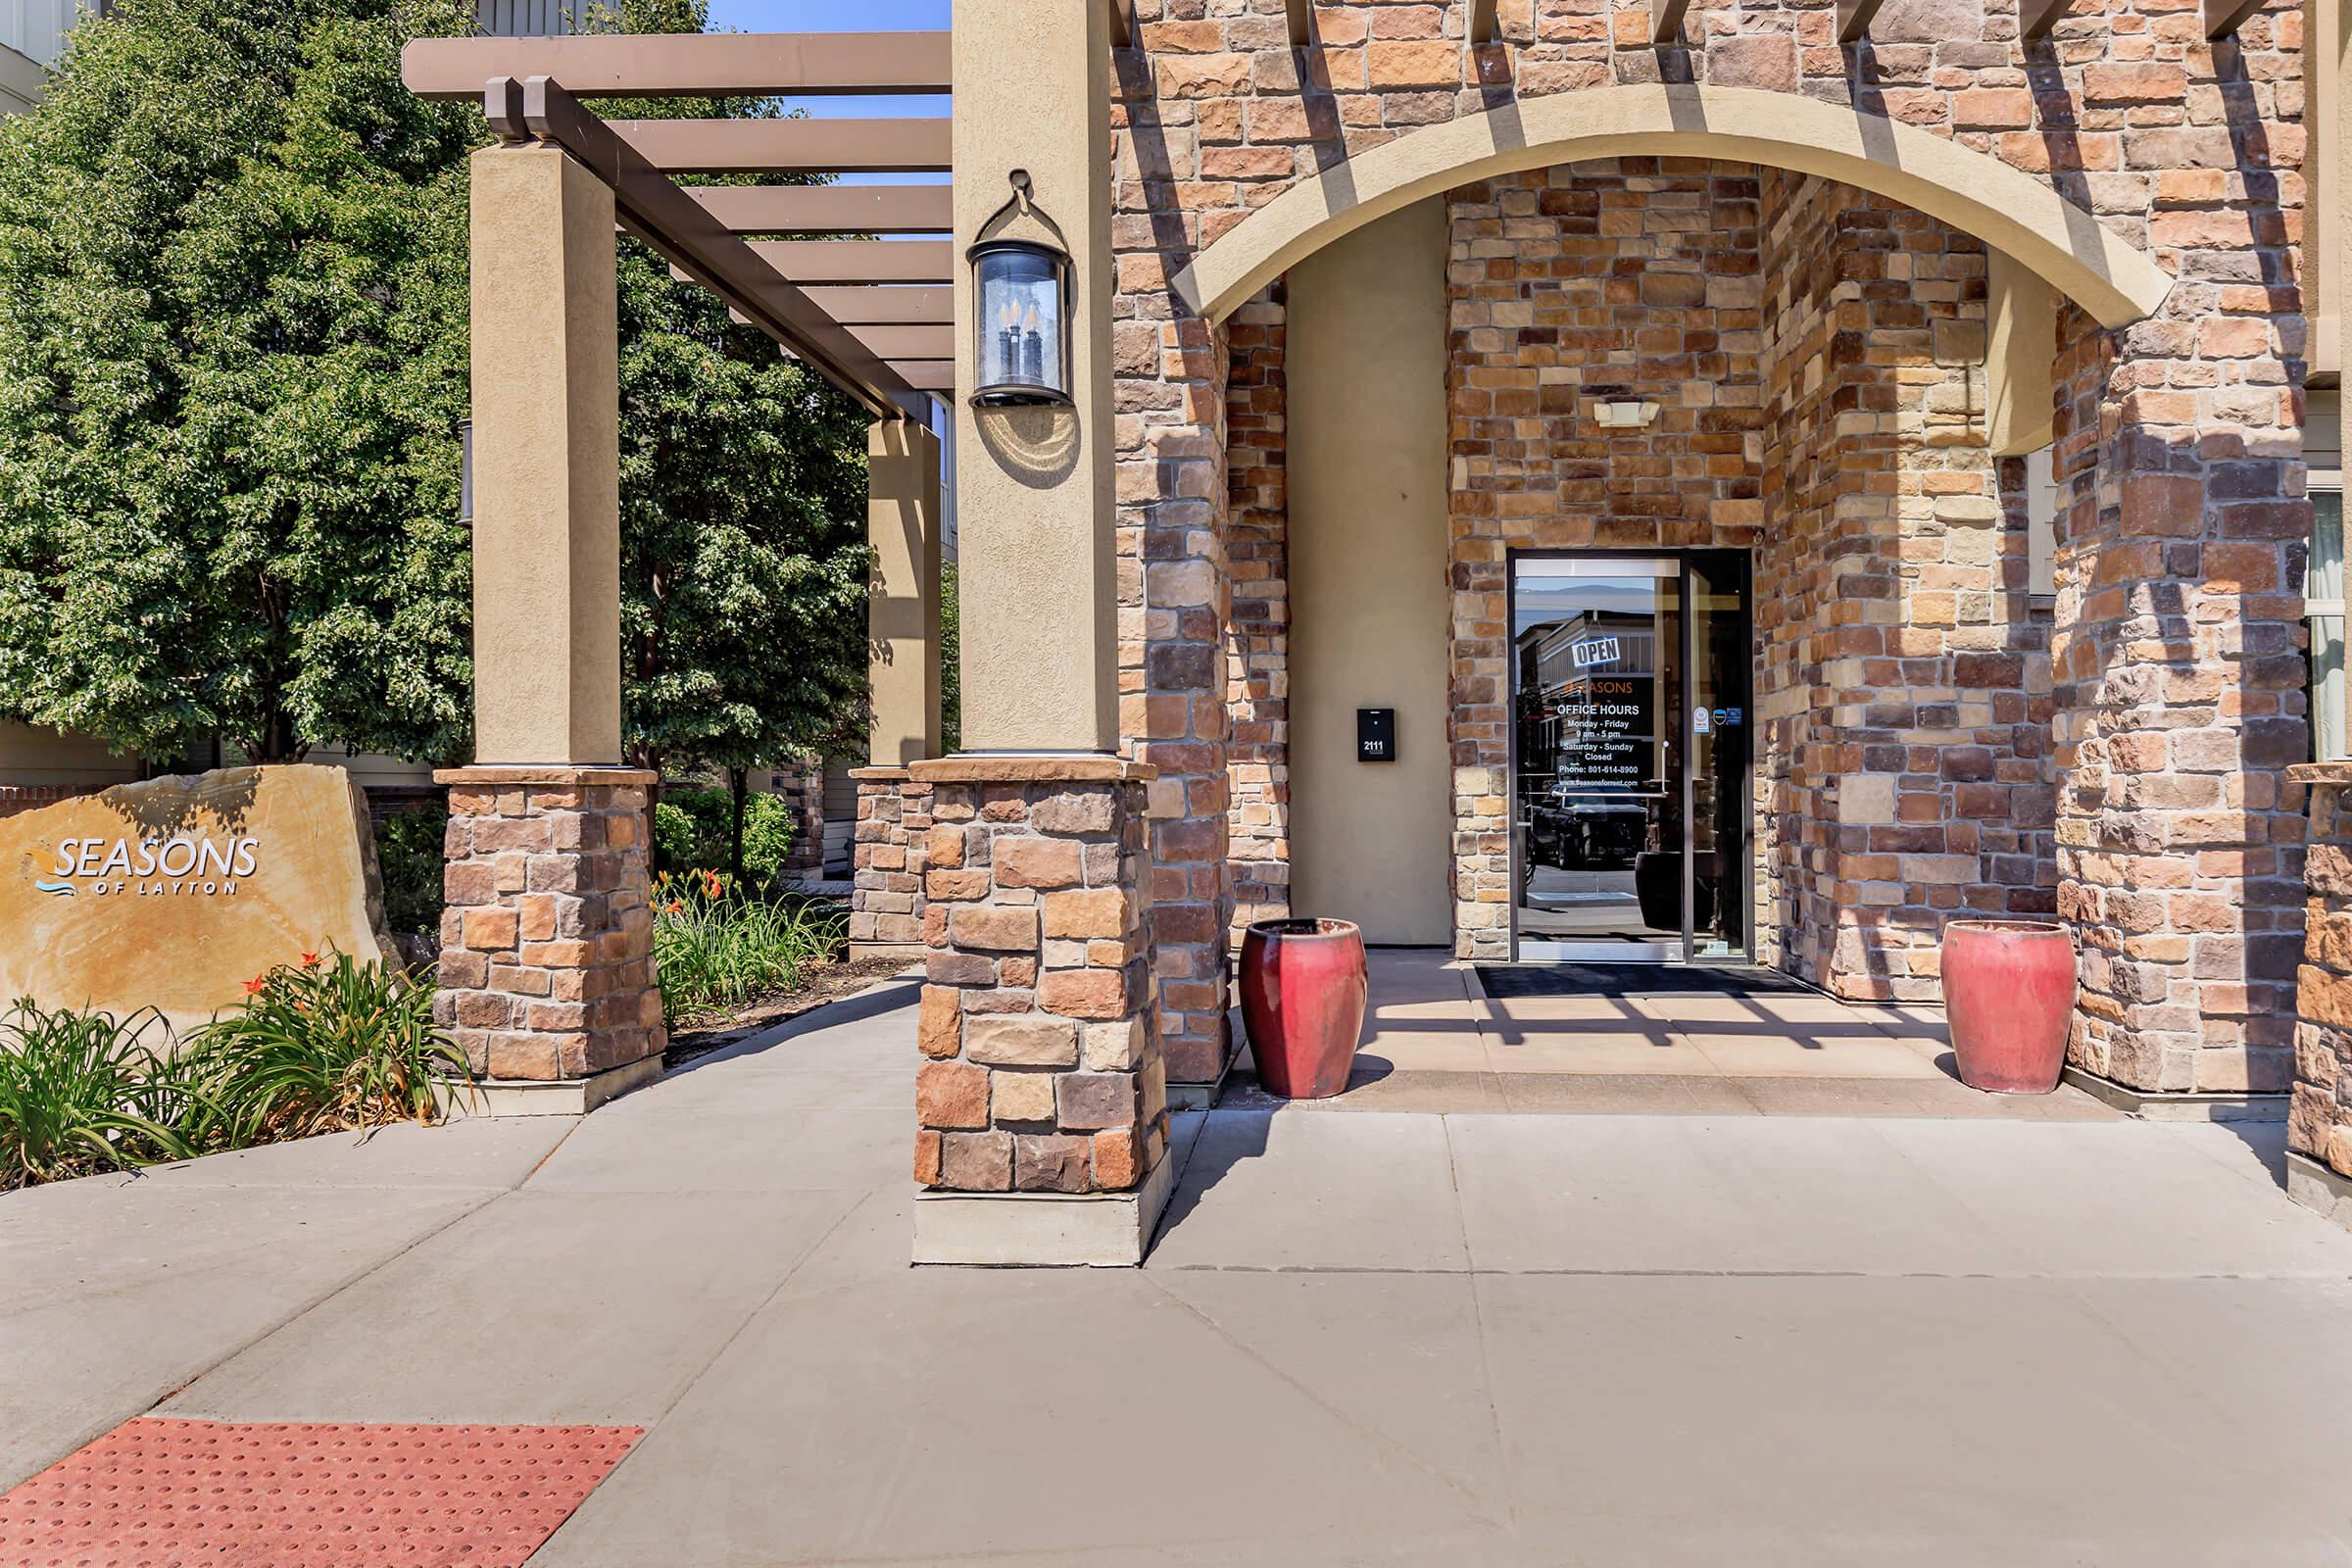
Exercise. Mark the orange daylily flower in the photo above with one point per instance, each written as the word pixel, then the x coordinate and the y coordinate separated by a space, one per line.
pixel 255 986
pixel 309 961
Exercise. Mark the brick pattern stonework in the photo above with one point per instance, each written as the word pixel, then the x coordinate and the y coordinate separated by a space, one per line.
pixel 801 786
pixel 886 885
pixel 2172 696
pixel 1042 1069
pixel 1903 681
pixel 2318 1121
pixel 2178 655
pixel 547 941
pixel 1629 278
pixel 1258 673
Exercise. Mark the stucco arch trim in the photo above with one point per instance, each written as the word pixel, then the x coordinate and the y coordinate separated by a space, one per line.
pixel 2009 209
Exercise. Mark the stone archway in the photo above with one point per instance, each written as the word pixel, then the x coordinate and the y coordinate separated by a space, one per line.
pixel 2010 211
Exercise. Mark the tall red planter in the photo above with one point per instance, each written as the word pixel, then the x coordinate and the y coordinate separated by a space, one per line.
pixel 2009 997
pixel 1303 986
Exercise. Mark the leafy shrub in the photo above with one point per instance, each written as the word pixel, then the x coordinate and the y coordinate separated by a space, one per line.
pixel 321 1047
pixel 82 1092
pixel 714 951
pixel 409 853
pixel 694 832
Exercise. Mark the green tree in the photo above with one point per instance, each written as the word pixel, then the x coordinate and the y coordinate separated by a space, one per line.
pixel 233 329
pixel 233 362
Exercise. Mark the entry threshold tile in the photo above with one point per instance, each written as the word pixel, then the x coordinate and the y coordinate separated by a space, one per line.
pixel 158 1493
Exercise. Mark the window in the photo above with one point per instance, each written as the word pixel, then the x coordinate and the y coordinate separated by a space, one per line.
pixel 2324 613
pixel 2042 500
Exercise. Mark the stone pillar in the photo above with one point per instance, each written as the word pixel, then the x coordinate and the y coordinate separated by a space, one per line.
pixel 546 973
pixel 2179 678
pixel 547 962
pixel 886 897
pixel 2318 1122
pixel 1042 1101
pixel 903 524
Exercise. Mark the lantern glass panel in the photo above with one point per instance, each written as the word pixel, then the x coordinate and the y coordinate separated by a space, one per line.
pixel 1019 322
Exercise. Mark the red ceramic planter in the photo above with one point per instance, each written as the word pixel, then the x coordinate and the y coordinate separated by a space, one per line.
pixel 2009 997
pixel 1303 1001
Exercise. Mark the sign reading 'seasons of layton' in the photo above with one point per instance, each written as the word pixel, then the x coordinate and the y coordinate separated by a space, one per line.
pixel 174 893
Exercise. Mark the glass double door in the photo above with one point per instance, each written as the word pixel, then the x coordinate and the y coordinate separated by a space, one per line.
pixel 1630 756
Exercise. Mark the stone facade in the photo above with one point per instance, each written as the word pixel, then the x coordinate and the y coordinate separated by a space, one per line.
pixel 1903 683
pixel 802 788
pixel 1042 1069
pixel 1257 677
pixel 547 942
pixel 2119 762
pixel 886 890
pixel 2318 1123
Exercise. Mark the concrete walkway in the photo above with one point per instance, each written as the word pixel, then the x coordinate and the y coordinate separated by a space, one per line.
pixel 1388 1337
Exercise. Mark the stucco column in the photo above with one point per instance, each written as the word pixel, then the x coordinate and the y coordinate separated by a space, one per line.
pixel 546 463
pixel 902 524
pixel 1036 563
pixel 546 975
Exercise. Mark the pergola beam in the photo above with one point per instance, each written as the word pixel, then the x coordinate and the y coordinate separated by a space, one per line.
pixel 854 306
pixel 1301 13
pixel 829 209
pixel 648 205
pixel 1122 28
pixel 1854 19
pixel 1485 27
pixel 679 65
pixel 911 146
pixel 1666 20
pixel 857 260
pixel 2225 17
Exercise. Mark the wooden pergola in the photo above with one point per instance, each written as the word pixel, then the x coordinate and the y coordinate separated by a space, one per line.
pixel 871 316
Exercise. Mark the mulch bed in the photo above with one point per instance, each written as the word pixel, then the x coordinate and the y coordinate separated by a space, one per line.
pixel 829 984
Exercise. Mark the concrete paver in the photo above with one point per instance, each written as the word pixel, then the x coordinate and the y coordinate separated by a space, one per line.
pixel 1939 1334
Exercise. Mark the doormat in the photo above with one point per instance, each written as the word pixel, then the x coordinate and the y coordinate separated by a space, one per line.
pixel 1632 980
pixel 162 1494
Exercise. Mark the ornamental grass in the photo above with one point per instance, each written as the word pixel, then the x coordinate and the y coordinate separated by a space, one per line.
pixel 82 1092
pixel 326 1045
pixel 715 951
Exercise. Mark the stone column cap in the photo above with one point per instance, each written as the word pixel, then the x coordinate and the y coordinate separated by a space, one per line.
pixel 882 775
pixel 548 773
pixel 2337 773
pixel 1031 768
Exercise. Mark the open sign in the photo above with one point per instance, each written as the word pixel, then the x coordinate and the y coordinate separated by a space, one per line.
pixel 1595 651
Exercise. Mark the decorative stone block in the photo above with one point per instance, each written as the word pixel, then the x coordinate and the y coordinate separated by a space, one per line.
pixel 891 853
pixel 548 974
pixel 1015 1100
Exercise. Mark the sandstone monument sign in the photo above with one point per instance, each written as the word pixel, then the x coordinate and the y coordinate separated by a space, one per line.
pixel 174 893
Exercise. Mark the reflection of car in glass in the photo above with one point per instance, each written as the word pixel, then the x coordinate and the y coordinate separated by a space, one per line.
pixel 1574 824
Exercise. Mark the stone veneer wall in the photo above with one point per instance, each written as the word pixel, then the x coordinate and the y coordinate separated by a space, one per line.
pixel 1042 1065
pixel 2318 1121
pixel 547 967
pixel 2180 668
pixel 1903 687
pixel 886 881
pixel 1631 278
pixel 1257 678
pixel 2180 566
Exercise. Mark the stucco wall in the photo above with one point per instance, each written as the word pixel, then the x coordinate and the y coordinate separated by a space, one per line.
pixel 1366 375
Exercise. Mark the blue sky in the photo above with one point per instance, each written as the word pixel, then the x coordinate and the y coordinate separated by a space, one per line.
pixel 840 16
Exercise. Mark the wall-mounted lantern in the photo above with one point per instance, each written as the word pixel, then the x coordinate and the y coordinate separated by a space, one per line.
pixel 1021 290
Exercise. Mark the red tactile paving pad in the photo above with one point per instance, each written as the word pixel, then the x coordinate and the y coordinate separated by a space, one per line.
pixel 163 1494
